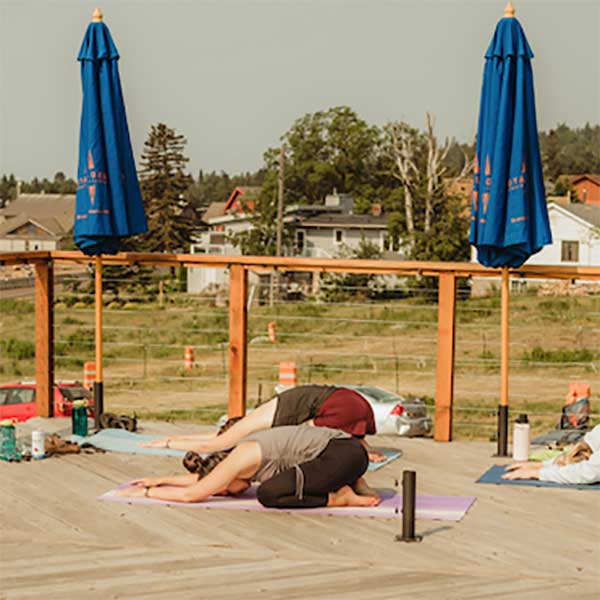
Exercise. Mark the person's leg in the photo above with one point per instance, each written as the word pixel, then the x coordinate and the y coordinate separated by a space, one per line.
pixel 341 463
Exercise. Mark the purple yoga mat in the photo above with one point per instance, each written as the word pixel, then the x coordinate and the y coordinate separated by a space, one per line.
pixel 435 508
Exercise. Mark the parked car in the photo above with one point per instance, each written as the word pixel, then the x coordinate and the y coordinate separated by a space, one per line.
pixel 17 400
pixel 396 414
pixel 393 414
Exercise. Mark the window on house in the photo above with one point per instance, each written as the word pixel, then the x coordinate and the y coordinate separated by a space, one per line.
pixel 569 252
pixel 584 195
pixel 300 240
pixel 338 236
pixel 217 238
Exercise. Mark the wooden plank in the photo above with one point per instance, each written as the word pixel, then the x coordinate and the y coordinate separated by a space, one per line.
pixel 44 338
pixel 444 377
pixel 504 350
pixel 238 343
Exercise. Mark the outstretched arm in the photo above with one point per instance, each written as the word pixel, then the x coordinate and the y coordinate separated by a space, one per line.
pixel 260 418
pixel 241 463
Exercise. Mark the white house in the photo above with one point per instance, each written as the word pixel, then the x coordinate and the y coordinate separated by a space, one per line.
pixel 319 231
pixel 575 242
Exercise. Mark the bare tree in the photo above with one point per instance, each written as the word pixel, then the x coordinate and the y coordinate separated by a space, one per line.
pixel 402 152
pixel 426 183
pixel 435 168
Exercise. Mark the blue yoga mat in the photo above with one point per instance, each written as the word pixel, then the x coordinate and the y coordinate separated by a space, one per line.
pixel 119 440
pixel 494 475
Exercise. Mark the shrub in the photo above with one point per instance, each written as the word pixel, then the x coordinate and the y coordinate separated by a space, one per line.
pixel 17 349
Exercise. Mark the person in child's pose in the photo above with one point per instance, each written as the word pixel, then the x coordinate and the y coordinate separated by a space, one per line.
pixel 319 405
pixel 296 466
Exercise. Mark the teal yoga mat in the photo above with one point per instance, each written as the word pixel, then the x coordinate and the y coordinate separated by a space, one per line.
pixel 494 475
pixel 119 440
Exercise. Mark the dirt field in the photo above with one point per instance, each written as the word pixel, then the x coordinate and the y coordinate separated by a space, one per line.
pixel 391 344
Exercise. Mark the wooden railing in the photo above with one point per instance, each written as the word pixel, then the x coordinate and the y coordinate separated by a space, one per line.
pixel 447 272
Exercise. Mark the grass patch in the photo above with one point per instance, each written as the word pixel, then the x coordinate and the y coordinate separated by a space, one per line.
pixel 562 355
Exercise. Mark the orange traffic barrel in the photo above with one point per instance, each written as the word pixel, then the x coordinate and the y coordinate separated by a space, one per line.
pixel 188 357
pixel 271 331
pixel 89 374
pixel 287 374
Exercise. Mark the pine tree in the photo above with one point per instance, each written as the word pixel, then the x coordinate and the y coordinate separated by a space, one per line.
pixel 164 183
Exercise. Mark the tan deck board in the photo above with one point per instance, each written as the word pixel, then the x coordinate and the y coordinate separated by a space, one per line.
pixel 58 540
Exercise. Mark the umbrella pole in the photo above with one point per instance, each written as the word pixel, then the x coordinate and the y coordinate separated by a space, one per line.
pixel 98 389
pixel 503 408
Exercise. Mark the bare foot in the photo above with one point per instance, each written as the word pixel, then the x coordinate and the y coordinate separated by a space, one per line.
pixel 362 488
pixel 345 496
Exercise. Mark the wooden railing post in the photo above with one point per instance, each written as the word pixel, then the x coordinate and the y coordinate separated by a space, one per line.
pixel 44 339
pixel 238 349
pixel 444 376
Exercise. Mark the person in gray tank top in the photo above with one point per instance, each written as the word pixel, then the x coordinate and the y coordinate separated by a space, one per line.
pixel 296 467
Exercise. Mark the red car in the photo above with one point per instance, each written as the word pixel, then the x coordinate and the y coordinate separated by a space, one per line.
pixel 17 400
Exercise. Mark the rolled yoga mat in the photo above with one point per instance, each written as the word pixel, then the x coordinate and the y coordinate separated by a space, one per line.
pixel 436 508
pixel 494 475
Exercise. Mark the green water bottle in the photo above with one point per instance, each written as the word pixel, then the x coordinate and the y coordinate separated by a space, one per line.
pixel 79 418
pixel 8 441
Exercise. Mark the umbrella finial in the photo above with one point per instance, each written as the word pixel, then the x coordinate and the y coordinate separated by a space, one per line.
pixel 97 15
pixel 509 10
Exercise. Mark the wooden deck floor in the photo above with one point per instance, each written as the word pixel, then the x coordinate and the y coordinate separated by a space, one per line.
pixel 57 541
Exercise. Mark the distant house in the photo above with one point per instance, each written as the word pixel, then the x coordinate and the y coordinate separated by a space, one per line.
pixel 36 222
pixel 575 241
pixel 587 188
pixel 321 231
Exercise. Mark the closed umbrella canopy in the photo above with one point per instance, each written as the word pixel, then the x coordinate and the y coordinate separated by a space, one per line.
pixel 509 217
pixel 109 204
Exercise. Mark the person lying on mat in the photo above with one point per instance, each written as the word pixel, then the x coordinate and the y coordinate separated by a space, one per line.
pixel 296 466
pixel 319 405
pixel 579 465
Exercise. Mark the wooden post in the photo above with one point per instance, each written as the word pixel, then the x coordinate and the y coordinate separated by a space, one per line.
pixel 504 354
pixel 99 382
pixel 238 324
pixel 44 339
pixel 444 378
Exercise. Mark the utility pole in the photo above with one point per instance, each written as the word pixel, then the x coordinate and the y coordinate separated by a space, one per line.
pixel 279 242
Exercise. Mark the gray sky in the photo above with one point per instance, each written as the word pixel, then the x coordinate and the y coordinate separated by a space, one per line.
pixel 233 75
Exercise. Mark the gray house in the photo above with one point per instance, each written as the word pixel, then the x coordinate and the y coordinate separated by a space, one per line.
pixel 36 222
pixel 329 230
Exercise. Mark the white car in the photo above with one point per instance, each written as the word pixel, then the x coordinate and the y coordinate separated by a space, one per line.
pixel 393 414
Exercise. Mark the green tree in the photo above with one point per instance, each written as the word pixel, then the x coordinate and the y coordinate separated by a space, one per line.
pixel 163 183
pixel 327 150
pixel 8 189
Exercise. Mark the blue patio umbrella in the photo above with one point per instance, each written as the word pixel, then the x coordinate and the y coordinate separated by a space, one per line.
pixel 109 203
pixel 509 216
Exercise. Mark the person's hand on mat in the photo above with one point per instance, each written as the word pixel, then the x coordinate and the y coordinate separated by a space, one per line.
pixel 158 443
pixel 518 465
pixel 148 481
pixel 524 471
pixel 132 492
pixel 376 456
